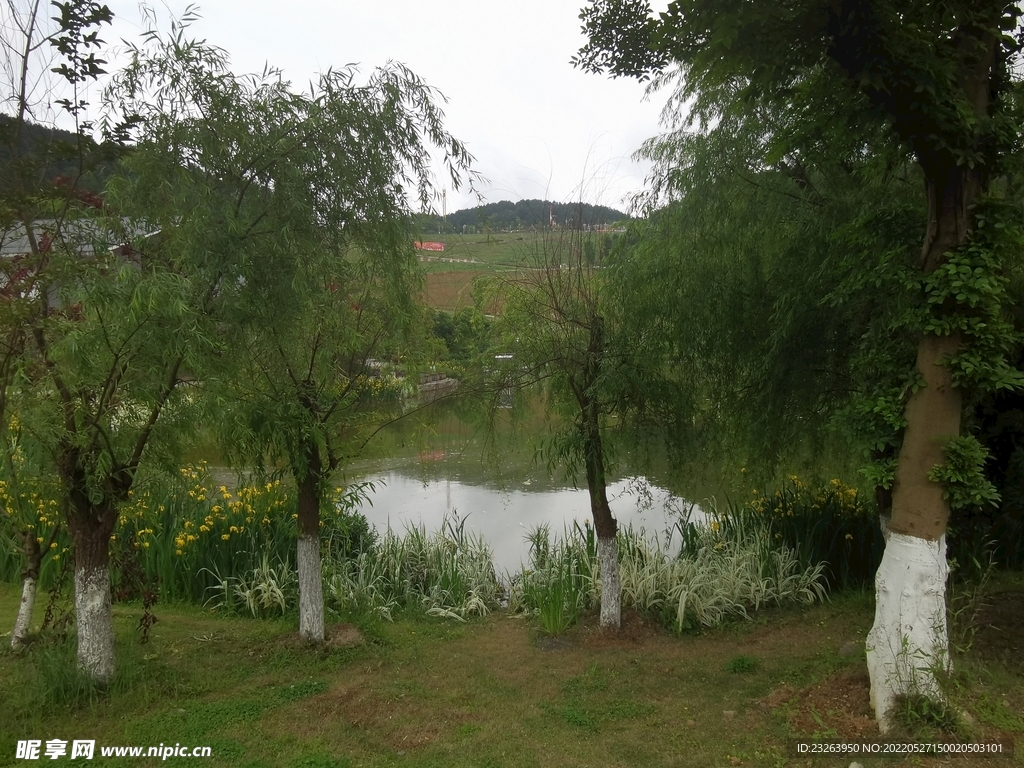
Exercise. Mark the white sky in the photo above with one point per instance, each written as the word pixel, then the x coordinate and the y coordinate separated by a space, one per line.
pixel 537 127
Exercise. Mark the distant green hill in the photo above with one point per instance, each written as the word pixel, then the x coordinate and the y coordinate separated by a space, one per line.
pixel 525 214
pixel 39 154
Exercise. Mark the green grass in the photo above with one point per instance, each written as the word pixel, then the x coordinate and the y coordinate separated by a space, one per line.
pixel 499 251
pixel 428 692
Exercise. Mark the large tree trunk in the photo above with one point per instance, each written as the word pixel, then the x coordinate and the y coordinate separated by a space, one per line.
pixel 91 528
pixel 908 642
pixel 29 582
pixel 311 592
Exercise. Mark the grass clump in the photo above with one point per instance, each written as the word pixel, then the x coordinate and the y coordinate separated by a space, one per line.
pixel 918 714
pixel 740 665
pixel 449 573
pixel 720 572
pixel 559 582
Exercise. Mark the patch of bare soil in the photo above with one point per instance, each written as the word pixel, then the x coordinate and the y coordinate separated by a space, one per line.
pixel 837 707
pixel 339 635
pixel 635 630
pixel 401 722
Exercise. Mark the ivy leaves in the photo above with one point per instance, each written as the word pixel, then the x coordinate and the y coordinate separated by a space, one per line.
pixel 962 475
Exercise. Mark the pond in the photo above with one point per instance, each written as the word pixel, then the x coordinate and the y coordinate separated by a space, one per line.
pixel 452 473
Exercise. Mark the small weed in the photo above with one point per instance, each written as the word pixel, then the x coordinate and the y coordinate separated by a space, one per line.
pixel 740 665
pixel 466 730
pixel 303 690
pixel 917 712
pixel 825 732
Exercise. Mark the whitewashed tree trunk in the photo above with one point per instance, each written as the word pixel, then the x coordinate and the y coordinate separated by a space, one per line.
pixel 95 622
pixel 24 620
pixel 311 591
pixel 611 586
pixel 908 643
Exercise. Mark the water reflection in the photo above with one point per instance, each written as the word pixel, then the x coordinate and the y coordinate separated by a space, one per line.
pixel 411 493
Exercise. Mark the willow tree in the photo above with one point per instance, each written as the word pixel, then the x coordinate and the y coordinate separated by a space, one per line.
pixel 298 204
pixel 564 329
pixel 69 330
pixel 932 83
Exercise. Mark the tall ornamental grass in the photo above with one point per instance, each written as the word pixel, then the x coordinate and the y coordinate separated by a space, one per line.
pixel 561 579
pixel 719 572
pixel 448 573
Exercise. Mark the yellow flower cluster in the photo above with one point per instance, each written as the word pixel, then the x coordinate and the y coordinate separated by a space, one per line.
pixel 226 514
pixel 796 495
pixel 30 505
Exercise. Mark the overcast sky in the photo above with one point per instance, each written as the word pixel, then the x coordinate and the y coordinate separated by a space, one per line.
pixel 537 127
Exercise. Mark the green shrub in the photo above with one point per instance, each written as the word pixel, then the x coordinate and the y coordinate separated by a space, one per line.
pixel 558 584
pixel 828 524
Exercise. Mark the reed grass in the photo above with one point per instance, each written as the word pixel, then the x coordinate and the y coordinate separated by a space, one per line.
pixel 448 573
pixel 718 573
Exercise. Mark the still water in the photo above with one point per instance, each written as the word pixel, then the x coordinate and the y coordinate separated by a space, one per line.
pixel 503 507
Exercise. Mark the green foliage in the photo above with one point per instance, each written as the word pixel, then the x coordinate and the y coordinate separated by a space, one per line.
pixel 920 714
pixel 466 333
pixel 828 115
pixel 968 295
pixel 962 475
pixel 720 572
pixel 741 665
pixel 828 525
pixel 266 590
pixel 558 582
pixel 447 574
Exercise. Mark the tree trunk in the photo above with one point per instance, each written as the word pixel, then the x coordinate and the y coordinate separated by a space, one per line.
pixel 30 579
pixel 90 531
pixel 908 642
pixel 605 525
pixel 593 458
pixel 611 586
pixel 311 591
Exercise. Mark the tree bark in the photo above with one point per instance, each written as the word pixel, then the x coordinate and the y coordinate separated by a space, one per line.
pixel 90 530
pixel 908 642
pixel 311 595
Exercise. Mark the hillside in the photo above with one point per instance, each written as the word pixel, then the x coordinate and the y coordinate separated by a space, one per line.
pixel 524 214
pixel 40 153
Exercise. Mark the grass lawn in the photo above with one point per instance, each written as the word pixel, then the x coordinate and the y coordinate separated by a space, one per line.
pixel 494 692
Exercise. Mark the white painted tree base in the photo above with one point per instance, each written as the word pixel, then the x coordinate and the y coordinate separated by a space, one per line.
pixel 311 590
pixel 909 641
pixel 28 604
pixel 611 586
pixel 95 623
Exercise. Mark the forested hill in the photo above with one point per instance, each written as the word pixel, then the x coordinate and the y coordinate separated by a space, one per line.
pixel 525 214
pixel 46 153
